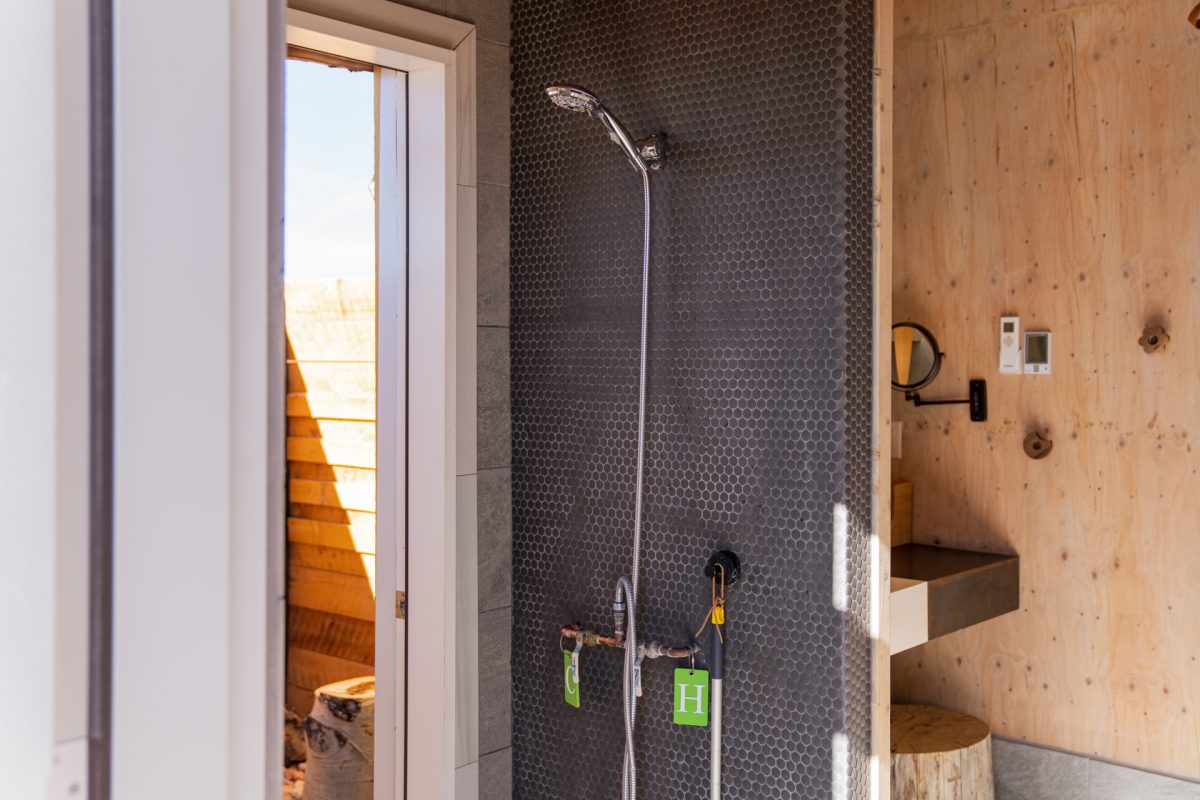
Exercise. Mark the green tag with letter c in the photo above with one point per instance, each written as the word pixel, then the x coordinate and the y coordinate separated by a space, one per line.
pixel 570 682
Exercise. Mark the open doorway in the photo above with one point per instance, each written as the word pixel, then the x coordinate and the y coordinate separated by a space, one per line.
pixel 411 320
pixel 330 303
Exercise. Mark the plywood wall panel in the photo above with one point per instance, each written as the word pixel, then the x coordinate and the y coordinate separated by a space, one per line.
pixel 1046 166
pixel 937 17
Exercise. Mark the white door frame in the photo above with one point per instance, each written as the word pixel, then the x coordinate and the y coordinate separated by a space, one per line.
pixel 426 398
pixel 391 428
pixel 198 464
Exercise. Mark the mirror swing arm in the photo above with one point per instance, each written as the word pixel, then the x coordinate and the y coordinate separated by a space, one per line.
pixel 976 399
pixel 913 346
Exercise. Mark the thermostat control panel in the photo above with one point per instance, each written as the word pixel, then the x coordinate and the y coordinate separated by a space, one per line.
pixel 1037 353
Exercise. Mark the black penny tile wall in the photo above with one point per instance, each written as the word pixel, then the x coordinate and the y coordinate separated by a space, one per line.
pixel 759 399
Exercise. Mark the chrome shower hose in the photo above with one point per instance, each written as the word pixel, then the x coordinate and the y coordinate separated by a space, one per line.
pixel 630 587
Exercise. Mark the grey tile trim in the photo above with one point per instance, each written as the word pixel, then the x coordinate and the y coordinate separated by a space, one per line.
pixel 492 273
pixel 495 405
pixel 495 538
pixel 498 750
pixel 1026 771
pixel 1109 781
pixel 433 6
pixel 495 680
pixel 491 18
pixel 493 111
pixel 495 775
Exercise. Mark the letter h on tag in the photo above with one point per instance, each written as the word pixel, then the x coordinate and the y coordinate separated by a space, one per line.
pixel 691 697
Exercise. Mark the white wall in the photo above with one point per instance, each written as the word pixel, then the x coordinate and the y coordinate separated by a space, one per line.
pixel 43 391
pixel 199 401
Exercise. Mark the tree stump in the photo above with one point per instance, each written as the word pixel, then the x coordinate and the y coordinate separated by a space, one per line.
pixel 938 754
pixel 340 734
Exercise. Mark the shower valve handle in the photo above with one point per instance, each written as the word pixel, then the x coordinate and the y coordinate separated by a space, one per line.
pixel 728 562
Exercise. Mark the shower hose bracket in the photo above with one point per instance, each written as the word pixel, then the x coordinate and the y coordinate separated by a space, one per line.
pixel 653 150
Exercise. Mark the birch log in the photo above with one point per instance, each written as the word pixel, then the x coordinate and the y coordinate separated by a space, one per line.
pixel 340 734
pixel 938 754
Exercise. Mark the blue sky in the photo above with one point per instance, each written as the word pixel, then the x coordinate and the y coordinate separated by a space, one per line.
pixel 329 164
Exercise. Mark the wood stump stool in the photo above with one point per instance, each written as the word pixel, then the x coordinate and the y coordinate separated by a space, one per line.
pixel 340 733
pixel 938 754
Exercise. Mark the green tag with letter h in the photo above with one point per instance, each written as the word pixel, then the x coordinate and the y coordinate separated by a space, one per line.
pixel 691 697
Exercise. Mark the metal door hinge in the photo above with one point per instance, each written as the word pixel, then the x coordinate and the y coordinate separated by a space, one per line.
pixel 401 606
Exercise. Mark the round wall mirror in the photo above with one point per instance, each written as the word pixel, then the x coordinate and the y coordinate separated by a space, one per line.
pixel 915 357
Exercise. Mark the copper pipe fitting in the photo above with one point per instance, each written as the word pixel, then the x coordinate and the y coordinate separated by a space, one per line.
pixel 653 649
pixel 657 650
pixel 591 638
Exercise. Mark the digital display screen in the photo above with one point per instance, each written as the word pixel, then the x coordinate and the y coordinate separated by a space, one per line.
pixel 1009 327
pixel 1037 348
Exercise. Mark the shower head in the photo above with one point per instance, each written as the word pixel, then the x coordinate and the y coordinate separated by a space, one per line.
pixel 647 153
pixel 573 98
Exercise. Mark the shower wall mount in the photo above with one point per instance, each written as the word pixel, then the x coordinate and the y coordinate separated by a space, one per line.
pixel 653 150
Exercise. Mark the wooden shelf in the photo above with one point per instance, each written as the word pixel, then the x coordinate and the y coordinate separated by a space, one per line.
pixel 939 590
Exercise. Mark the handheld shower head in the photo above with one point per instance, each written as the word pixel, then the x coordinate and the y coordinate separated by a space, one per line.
pixel 573 98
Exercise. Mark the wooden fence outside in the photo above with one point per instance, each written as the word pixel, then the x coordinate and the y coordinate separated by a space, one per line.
pixel 331 484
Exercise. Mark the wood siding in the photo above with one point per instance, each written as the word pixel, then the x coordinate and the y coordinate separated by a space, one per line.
pixel 331 484
pixel 1047 163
